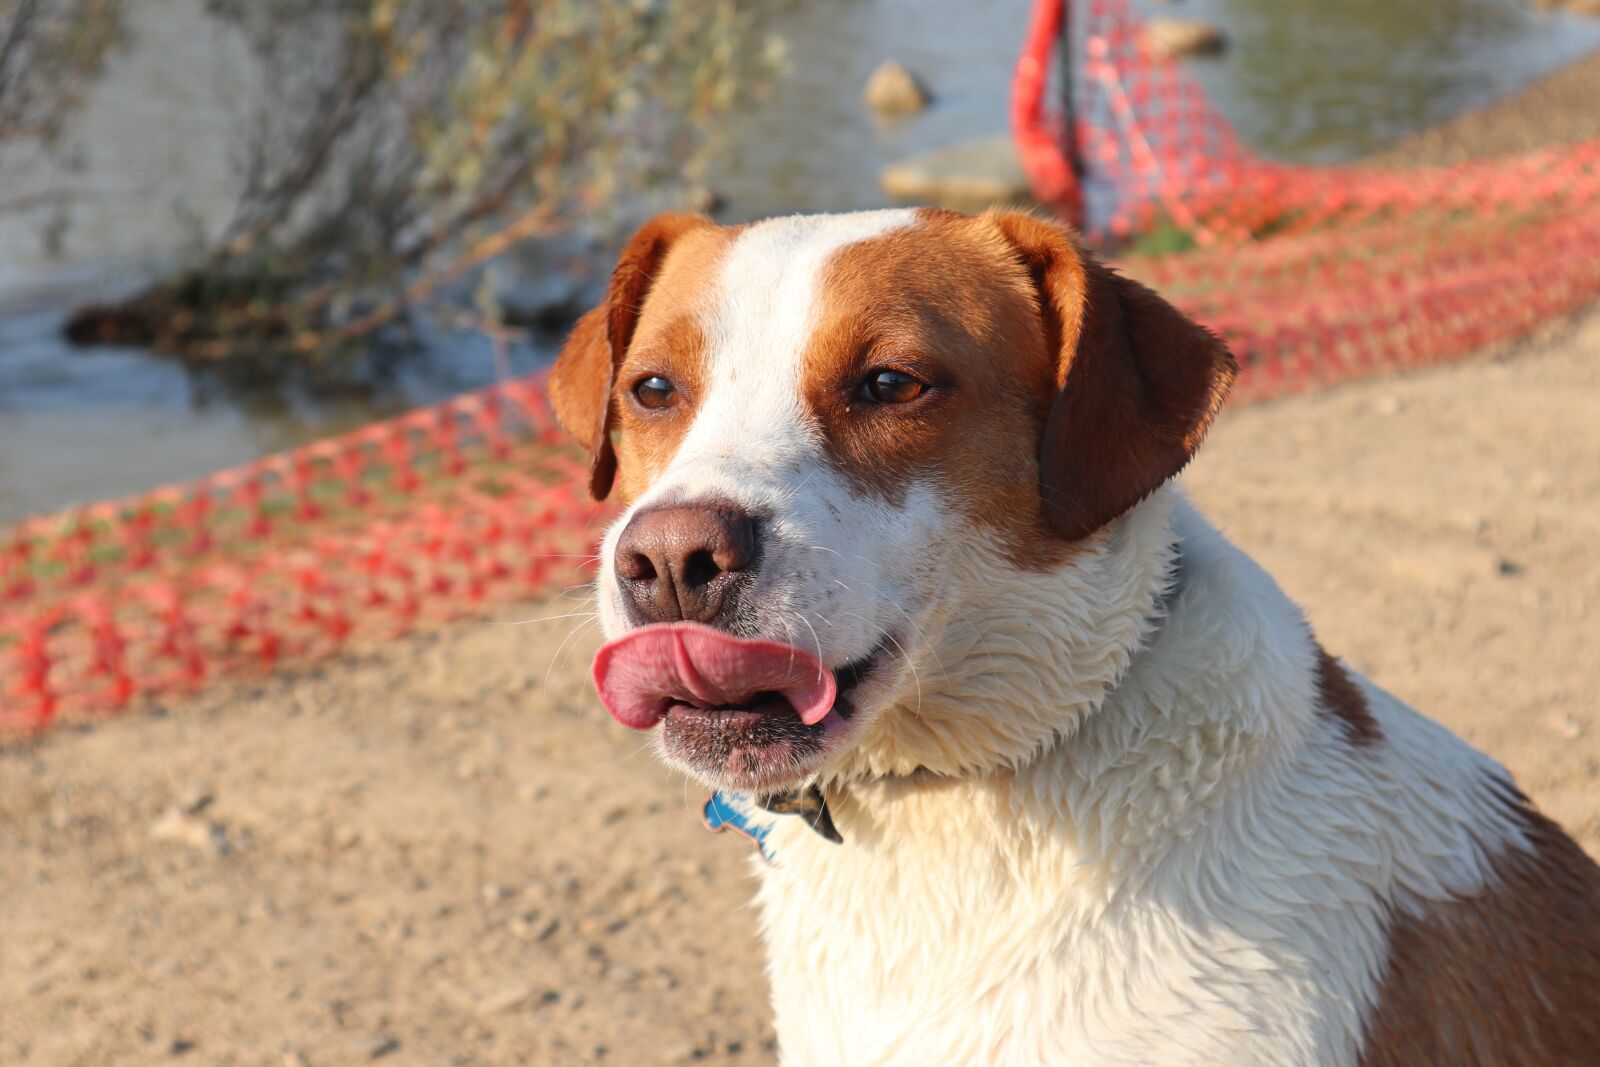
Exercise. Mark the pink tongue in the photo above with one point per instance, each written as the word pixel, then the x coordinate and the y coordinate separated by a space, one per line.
pixel 644 672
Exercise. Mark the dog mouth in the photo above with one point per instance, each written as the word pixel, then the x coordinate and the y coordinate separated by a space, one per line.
pixel 741 713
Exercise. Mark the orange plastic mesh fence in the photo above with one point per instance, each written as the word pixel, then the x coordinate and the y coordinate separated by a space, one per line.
pixel 1312 273
pixel 296 556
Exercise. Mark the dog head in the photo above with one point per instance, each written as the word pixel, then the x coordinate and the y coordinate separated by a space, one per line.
pixel 855 450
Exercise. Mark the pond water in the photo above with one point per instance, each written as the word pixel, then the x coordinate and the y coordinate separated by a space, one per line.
pixel 1311 81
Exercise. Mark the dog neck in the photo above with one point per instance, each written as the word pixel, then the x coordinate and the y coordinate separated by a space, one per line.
pixel 1102 707
pixel 1041 648
pixel 810 803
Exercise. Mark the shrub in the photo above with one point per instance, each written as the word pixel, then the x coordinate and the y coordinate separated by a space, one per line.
pixel 399 144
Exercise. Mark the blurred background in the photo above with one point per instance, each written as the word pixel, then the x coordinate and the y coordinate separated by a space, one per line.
pixel 278 482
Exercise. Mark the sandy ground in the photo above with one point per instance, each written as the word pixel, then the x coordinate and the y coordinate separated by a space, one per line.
pixel 444 853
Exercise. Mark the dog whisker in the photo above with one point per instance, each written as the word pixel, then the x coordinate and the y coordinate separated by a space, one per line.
pixel 817 641
pixel 571 634
pixel 554 618
pixel 916 677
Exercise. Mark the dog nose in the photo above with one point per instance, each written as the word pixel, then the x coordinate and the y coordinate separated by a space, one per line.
pixel 678 563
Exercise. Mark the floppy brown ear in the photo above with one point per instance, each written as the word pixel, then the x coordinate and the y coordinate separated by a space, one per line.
pixel 581 381
pixel 1137 383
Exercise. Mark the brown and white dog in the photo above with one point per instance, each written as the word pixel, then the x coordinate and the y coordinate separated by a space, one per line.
pixel 899 531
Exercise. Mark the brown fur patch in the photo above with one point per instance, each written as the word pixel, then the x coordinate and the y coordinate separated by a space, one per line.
pixel 1507 978
pixel 946 303
pixel 670 341
pixel 1137 383
pixel 1339 696
pixel 583 381
pixel 1060 394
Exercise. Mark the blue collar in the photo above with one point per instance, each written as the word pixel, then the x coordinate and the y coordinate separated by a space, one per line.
pixel 721 813
pixel 731 811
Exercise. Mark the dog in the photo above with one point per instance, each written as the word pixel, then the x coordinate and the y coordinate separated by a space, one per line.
pixel 1077 784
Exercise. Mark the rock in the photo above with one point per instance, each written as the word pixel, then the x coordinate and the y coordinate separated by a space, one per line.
pixel 894 90
pixel 1567 726
pixel 374 1046
pixel 706 201
pixel 1589 8
pixel 194 799
pixel 963 177
pixel 1170 38
pixel 508 999
pixel 186 828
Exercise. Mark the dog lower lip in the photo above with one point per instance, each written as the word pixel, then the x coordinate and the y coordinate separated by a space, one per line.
pixel 759 741
pixel 756 744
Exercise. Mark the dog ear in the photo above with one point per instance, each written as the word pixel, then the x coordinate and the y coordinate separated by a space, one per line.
pixel 581 381
pixel 1137 383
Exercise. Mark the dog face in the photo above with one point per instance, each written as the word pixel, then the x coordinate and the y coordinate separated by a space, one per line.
pixel 835 435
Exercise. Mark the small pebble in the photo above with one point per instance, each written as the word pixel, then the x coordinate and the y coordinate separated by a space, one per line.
pixel 181 827
pixel 894 90
pixel 1170 38
pixel 1567 726
pixel 374 1046
pixel 508 999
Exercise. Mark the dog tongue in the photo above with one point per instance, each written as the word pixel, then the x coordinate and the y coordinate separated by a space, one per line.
pixel 644 672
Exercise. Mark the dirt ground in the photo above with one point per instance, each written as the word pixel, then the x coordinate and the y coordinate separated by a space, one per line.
pixel 444 853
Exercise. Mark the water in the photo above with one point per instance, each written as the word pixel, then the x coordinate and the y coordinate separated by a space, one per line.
pixel 1311 81
pixel 1320 82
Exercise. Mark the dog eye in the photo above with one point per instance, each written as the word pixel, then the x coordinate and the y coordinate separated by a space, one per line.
pixel 891 387
pixel 654 392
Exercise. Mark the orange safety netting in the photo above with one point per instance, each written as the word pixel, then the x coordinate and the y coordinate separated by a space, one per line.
pixel 295 556
pixel 1312 274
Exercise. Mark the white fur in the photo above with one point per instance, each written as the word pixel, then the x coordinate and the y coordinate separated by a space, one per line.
pixel 1198 874
pixel 1075 832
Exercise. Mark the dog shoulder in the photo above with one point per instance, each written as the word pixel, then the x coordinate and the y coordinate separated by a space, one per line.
pixel 1505 973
